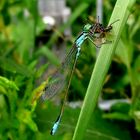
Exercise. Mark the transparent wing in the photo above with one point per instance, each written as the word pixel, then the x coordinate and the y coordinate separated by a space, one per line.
pixel 58 79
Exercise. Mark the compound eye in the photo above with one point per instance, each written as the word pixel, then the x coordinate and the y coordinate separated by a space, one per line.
pixel 87 27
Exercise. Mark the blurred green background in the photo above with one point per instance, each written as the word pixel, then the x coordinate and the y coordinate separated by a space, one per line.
pixel 28 54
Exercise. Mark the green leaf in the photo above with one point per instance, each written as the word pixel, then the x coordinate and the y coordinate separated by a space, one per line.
pixel 117 116
pixel 136 116
pixel 120 107
pixel 25 116
pixel 4 82
pixel 121 11
pixel 9 65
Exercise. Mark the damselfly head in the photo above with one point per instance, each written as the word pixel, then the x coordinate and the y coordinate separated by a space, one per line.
pixel 87 27
pixel 99 28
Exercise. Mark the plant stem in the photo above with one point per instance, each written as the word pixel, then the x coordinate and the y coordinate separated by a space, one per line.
pixel 121 12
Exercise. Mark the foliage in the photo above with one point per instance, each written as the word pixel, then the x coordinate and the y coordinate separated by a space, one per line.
pixel 22 71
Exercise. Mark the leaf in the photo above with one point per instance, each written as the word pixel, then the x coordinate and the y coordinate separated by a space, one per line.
pixel 117 116
pixel 25 116
pixel 101 67
pixel 9 65
pixel 4 82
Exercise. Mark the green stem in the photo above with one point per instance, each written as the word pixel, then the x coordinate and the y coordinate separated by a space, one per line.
pixel 121 11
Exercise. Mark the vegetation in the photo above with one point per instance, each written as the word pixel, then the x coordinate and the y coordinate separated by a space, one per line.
pixel 23 74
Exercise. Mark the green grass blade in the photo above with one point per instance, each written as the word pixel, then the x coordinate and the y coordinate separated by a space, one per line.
pixel 121 11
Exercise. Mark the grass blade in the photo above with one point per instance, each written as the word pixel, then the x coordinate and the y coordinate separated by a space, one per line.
pixel 121 11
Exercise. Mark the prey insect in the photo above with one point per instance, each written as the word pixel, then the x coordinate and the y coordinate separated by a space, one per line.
pixel 101 33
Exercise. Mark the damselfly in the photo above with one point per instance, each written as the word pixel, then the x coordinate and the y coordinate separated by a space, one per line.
pixel 57 80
